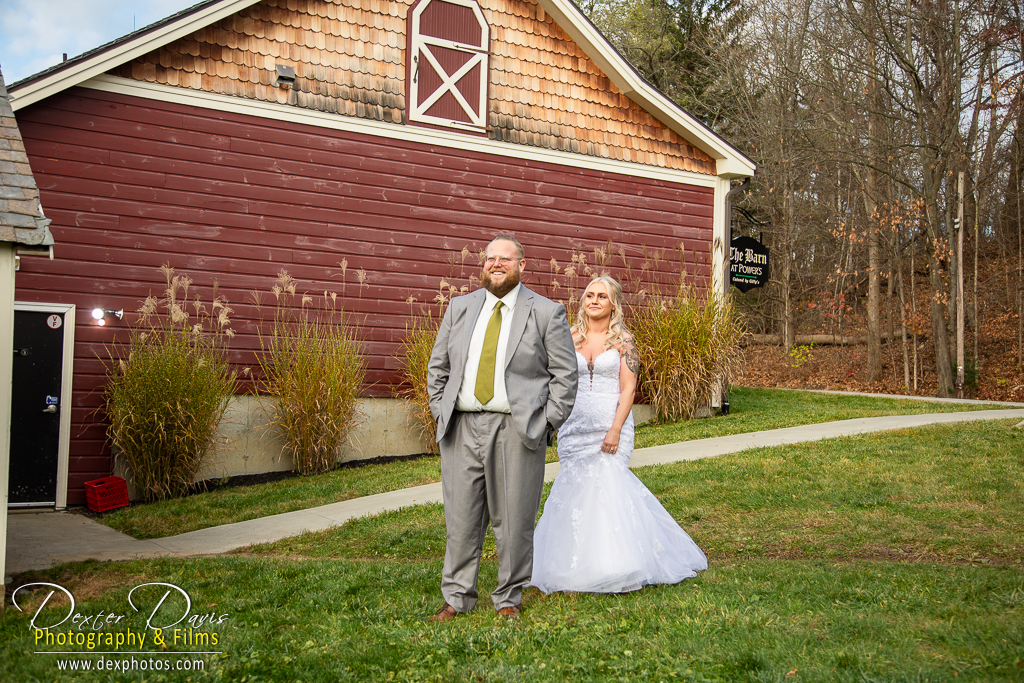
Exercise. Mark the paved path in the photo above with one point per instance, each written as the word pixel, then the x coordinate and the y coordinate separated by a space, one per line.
pixel 38 540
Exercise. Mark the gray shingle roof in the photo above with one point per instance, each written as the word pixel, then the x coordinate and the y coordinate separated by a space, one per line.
pixel 21 215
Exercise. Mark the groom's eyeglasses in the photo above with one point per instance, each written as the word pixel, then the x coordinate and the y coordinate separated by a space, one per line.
pixel 500 260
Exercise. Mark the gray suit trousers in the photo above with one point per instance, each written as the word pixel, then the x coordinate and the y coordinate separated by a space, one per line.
pixel 488 474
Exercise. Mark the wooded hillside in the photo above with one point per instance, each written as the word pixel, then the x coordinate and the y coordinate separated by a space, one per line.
pixel 890 140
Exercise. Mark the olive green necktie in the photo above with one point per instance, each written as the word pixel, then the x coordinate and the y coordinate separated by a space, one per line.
pixel 485 373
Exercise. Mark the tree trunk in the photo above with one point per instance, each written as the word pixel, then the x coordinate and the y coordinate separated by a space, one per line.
pixel 903 319
pixel 788 329
pixel 913 300
pixel 874 356
pixel 950 245
pixel 940 332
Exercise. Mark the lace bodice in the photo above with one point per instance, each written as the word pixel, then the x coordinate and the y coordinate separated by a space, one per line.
pixel 597 396
pixel 603 377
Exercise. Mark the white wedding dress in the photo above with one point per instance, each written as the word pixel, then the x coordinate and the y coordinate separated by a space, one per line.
pixel 602 531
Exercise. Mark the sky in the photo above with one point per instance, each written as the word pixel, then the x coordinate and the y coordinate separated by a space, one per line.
pixel 34 34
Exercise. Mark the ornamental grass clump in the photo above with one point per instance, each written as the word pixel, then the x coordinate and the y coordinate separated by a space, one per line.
pixel 687 343
pixel 167 396
pixel 313 370
pixel 420 335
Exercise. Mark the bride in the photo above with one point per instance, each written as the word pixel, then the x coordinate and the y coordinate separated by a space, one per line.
pixel 602 531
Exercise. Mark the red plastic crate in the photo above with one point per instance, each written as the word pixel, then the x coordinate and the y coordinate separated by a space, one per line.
pixel 105 494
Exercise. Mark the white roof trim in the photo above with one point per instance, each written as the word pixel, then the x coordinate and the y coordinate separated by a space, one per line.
pixel 390 131
pixel 731 163
pixel 117 55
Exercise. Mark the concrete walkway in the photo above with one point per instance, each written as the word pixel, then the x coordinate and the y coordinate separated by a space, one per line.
pixel 39 540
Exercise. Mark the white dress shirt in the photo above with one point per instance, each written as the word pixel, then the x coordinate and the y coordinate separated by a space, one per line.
pixel 467 401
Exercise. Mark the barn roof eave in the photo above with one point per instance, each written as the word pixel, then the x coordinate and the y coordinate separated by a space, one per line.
pixel 730 162
pixel 77 70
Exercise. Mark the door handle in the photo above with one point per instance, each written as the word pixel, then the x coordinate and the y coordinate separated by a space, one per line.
pixel 50 409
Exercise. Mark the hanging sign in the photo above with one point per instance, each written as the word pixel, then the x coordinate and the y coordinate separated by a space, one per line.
pixel 748 264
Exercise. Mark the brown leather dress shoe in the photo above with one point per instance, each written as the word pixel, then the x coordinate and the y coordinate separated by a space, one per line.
pixel 509 613
pixel 447 613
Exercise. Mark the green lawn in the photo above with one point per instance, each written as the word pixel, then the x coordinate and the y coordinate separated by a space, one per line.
pixel 754 620
pixel 884 557
pixel 751 410
pixel 946 493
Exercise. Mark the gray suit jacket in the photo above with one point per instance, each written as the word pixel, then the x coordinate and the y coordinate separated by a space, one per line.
pixel 540 363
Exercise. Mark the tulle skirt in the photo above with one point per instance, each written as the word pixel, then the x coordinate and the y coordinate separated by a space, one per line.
pixel 602 531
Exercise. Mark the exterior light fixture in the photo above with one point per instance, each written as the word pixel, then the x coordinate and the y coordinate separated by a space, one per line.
pixel 100 315
pixel 285 76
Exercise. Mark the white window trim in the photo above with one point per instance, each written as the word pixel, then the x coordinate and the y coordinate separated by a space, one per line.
pixel 421 45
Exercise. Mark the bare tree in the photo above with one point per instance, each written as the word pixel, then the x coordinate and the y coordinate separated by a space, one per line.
pixel 860 114
pixel 922 65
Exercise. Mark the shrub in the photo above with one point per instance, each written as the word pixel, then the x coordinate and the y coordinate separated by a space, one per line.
pixel 801 354
pixel 313 370
pixel 686 345
pixel 167 397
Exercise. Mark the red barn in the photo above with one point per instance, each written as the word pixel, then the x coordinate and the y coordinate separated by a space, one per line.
pixel 241 137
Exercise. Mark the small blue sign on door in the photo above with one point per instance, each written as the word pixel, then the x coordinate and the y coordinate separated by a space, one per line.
pixel 51 400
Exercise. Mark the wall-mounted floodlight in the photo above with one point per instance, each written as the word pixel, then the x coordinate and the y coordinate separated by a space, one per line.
pixel 285 76
pixel 100 315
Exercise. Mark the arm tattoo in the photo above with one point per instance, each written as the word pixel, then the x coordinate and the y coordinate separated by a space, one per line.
pixel 630 355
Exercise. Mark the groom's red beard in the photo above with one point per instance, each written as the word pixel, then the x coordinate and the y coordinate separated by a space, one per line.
pixel 510 282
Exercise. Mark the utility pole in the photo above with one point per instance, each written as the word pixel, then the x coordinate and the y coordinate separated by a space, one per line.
pixel 960 287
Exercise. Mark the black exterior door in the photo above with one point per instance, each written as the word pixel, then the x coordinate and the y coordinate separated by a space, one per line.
pixel 35 407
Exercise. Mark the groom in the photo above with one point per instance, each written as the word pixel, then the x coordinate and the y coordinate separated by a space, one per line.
pixel 501 378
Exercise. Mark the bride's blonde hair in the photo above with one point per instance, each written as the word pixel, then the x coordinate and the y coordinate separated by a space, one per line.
pixel 617 331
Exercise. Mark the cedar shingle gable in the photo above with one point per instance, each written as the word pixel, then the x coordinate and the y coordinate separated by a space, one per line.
pixel 349 58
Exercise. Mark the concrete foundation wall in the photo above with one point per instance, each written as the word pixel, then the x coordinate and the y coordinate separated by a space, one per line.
pixel 246 444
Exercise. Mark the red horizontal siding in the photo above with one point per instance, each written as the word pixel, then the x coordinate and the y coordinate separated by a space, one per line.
pixel 131 184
